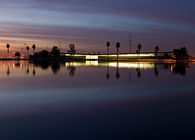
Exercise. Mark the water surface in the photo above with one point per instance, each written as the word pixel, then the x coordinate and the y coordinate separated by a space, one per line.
pixel 91 100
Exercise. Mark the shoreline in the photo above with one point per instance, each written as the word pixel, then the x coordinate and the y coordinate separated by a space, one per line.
pixel 111 60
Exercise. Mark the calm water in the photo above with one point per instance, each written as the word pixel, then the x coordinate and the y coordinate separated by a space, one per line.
pixel 96 101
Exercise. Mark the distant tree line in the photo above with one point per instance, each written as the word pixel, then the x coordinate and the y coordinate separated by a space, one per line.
pixel 180 53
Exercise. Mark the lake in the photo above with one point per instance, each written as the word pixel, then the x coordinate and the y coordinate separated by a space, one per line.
pixel 95 100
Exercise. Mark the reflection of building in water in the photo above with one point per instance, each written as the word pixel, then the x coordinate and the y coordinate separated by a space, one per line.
pixel 20 68
pixel 142 65
pixel 92 63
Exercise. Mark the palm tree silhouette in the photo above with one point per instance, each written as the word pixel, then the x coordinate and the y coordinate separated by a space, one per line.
pixel 34 47
pixel 139 47
pixel 117 48
pixel 108 46
pixel 156 50
pixel 7 46
pixel 27 49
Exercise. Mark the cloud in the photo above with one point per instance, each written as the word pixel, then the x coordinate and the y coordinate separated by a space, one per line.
pixel 90 23
pixel 175 11
pixel 164 11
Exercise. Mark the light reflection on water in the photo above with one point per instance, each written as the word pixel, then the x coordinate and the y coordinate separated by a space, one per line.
pixel 24 68
pixel 110 100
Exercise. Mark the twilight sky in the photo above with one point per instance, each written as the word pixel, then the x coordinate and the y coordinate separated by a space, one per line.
pixel 89 24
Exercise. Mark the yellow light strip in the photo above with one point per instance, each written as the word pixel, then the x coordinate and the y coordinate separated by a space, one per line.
pixel 141 65
pixel 113 55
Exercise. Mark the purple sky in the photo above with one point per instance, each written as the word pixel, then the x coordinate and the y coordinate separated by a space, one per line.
pixel 89 24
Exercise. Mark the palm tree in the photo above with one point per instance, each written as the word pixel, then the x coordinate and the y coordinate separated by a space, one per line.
pixel 72 49
pixel 27 49
pixel 34 47
pixel 7 46
pixel 139 47
pixel 108 45
pixel 156 50
pixel 117 48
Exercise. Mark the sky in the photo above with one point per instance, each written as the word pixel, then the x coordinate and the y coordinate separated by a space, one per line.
pixel 89 24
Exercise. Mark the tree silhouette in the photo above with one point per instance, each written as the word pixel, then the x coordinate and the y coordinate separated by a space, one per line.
pixel 139 47
pixel 27 49
pixel 181 53
pixel 55 51
pixel 8 47
pixel 117 48
pixel 156 50
pixel 72 49
pixel 17 54
pixel 33 47
pixel 108 46
pixel 44 53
